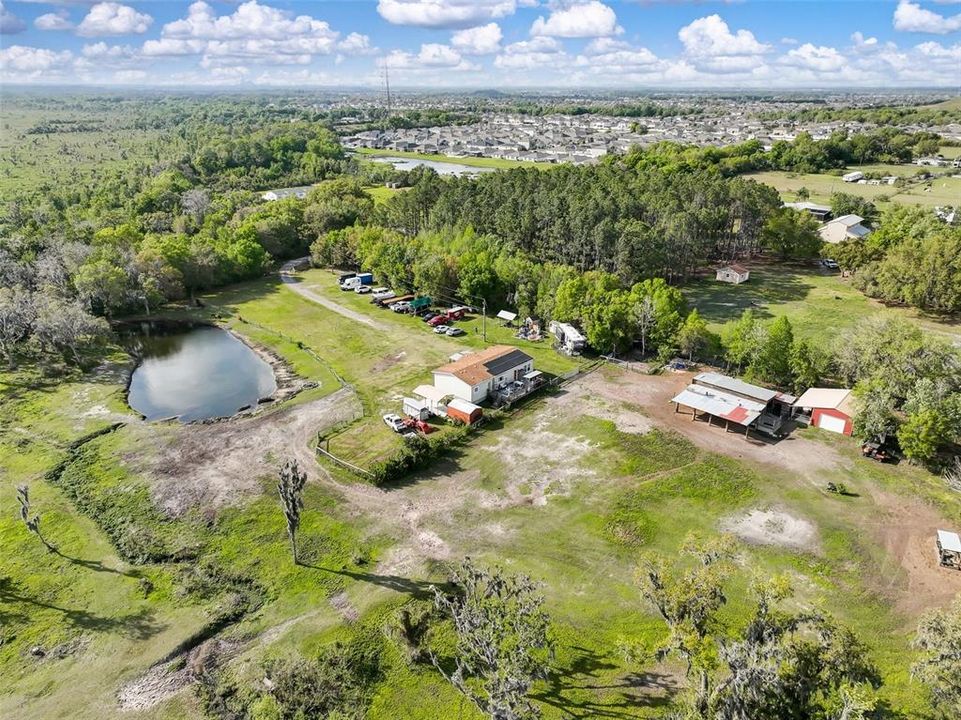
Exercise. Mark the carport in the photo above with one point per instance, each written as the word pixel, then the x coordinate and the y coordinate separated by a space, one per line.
pixel 718 404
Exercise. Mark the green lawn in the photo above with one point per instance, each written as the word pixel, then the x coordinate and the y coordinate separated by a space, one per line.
pixel 498 163
pixel 609 495
pixel 942 190
pixel 381 193
pixel 821 305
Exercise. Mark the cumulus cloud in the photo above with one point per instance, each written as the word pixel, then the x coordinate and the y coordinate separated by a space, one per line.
pixel 252 32
pixel 19 62
pixel 111 18
pixel 537 53
pixel 356 44
pixel 10 24
pixel 444 13
pixel 59 20
pixel 812 57
pixel 432 56
pixel 911 17
pixel 711 37
pixel 862 42
pixel 578 20
pixel 480 40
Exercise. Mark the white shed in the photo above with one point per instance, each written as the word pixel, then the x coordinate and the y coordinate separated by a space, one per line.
pixel 734 274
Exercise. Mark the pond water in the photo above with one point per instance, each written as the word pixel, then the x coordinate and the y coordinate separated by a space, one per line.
pixel 194 374
pixel 441 167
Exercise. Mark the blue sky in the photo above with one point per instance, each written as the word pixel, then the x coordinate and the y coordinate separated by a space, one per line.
pixel 484 43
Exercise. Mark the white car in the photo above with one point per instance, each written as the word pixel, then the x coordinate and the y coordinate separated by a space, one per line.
pixel 400 307
pixel 362 289
pixel 441 329
pixel 382 294
pixel 394 422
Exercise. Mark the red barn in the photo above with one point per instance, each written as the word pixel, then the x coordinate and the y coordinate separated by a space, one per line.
pixel 826 408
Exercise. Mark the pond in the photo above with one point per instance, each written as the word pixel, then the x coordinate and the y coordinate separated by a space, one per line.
pixel 195 373
pixel 441 167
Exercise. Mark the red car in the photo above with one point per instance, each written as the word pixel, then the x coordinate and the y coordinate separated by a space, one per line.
pixel 441 319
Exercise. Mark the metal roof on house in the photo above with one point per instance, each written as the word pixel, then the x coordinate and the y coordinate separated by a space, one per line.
pixel 720 404
pixel 477 367
pixel 849 220
pixel 430 392
pixel 738 387
pixel 827 398
pixel 949 541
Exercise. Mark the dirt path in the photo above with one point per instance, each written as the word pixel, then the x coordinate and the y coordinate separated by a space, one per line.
pixel 293 282
pixel 653 393
pixel 225 461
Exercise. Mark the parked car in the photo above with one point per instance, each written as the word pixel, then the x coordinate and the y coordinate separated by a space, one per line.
pixel 455 331
pixel 362 290
pixel 881 447
pixel 428 316
pixel 400 307
pixel 438 320
pixel 441 329
pixel 456 313
pixel 394 422
pixel 830 264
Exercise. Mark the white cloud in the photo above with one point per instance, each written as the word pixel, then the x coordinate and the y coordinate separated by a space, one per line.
pixel 253 32
pixel 444 13
pixel 538 53
pixel 480 40
pixel 863 43
pixel 711 37
pixel 432 56
pixel 578 20
pixel 911 17
pixel 811 57
pixel 19 62
pixel 10 24
pixel 110 18
pixel 356 44
pixel 59 20
pixel 102 50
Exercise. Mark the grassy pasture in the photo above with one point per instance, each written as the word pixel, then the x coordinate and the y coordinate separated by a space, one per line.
pixel 821 305
pixel 610 496
pixel 498 163
pixel 942 190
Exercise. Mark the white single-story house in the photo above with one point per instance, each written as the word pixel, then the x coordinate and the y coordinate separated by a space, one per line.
pixel 853 176
pixel 846 227
pixel 284 193
pixel 734 274
pixel 826 408
pixel 473 377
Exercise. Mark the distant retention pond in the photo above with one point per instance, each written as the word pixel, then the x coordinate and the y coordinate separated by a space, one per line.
pixel 442 167
pixel 193 372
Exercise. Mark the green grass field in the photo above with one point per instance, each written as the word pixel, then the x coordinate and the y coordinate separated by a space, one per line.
pixel 608 495
pixel 821 305
pixel 938 191
pixel 497 163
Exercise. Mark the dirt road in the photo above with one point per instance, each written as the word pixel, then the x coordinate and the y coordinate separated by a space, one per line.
pixel 294 283
pixel 224 461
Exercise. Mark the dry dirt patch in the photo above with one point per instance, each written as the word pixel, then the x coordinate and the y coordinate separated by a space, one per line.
pixel 213 465
pixel 773 527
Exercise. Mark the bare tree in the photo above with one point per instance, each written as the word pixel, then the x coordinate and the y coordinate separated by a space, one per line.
pixel 16 317
pixel 32 523
pixel 502 640
pixel 646 316
pixel 291 490
pixel 952 475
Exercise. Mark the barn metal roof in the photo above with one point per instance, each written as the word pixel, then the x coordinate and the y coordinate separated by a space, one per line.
pixel 949 541
pixel 738 387
pixel 720 404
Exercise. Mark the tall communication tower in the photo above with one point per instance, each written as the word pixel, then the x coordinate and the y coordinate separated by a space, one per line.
pixel 387 92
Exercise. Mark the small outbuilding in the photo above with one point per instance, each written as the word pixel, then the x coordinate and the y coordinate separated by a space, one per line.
pixel 949 549
pixel 466 412
pixel 734 274
pixel 830 409
pixel 846 227
pixel 416 408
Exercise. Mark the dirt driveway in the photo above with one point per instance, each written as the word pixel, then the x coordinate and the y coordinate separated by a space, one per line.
pixel 294 283
pixel 224 461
